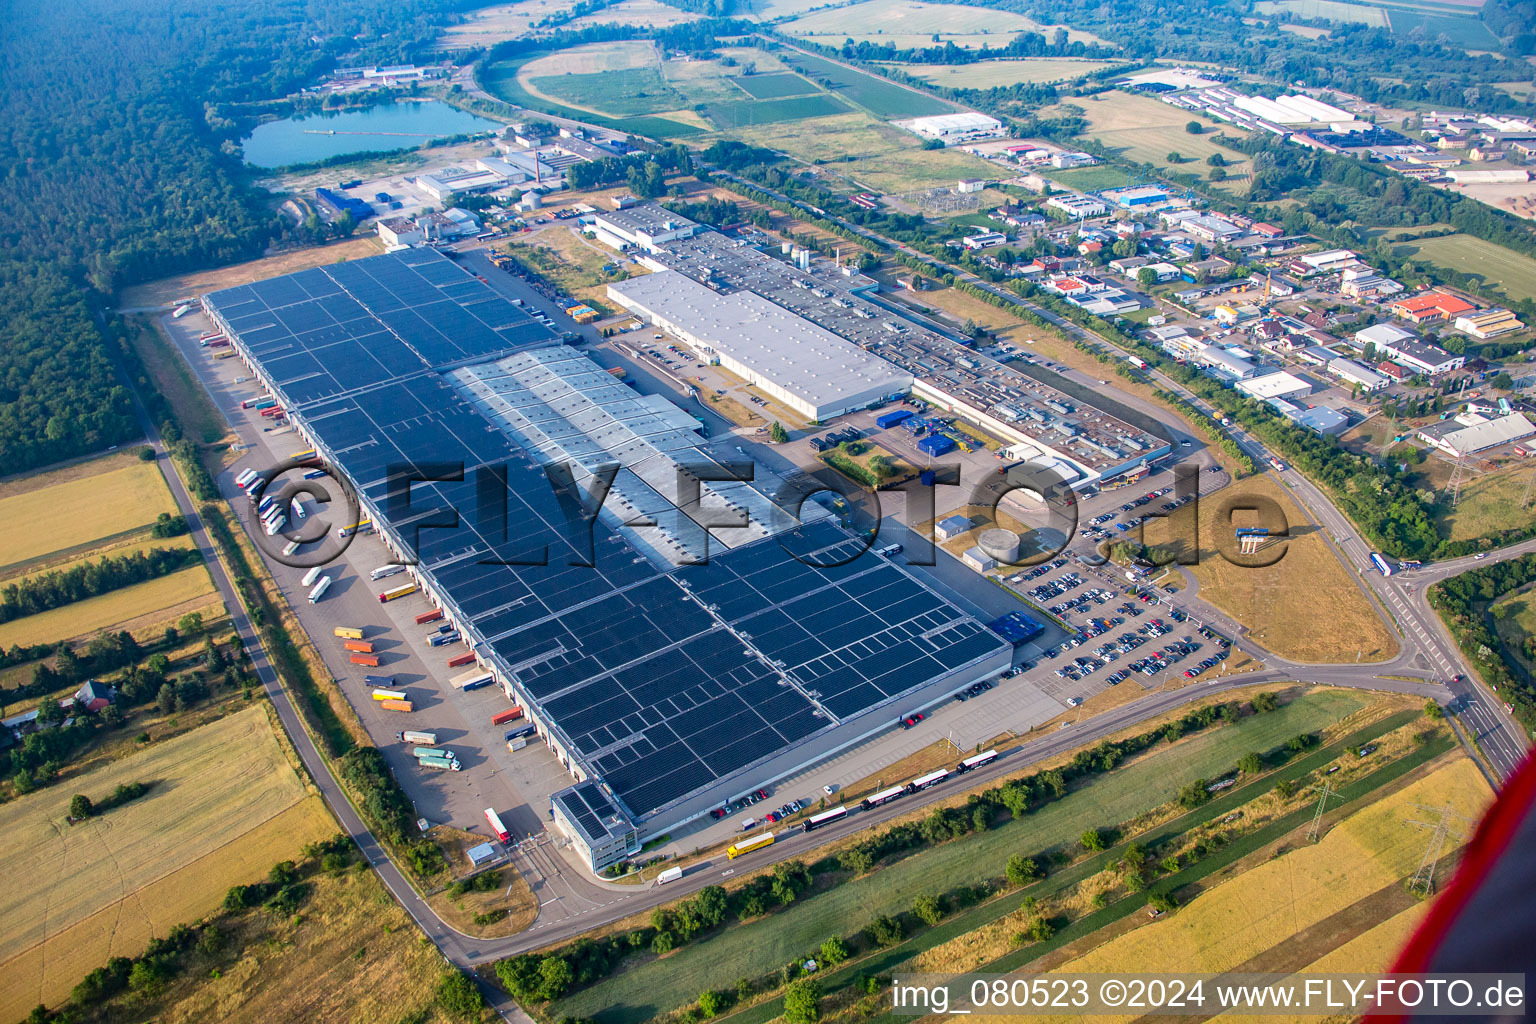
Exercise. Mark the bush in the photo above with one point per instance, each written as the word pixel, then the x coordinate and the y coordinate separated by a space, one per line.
pixel 80 807
pixel 711 1002
pixel 928 910
pixel 802 1002
pixel 458 996
pixel 1265 702
pixel 1021 870
pixel 885 931
pixel 833 951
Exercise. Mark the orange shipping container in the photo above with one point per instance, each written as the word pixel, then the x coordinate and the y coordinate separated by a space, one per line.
pixel 371 660
pixel 361 646
pixel 397 705
pixel 512 714
pixel 431 616
pixel 467 658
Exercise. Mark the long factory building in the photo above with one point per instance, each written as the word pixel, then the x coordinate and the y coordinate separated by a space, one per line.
pixel 665 691
pixel 795 331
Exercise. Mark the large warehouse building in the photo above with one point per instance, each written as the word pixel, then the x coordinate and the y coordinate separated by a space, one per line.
pixel 664 691
pixel 830 311
pixel 813 371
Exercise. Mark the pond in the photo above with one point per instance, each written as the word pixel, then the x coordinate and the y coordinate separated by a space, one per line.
pixel 314 137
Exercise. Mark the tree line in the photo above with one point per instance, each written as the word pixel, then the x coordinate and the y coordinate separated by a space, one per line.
pixel 1464 602
pixel 548 975
pixel 59 587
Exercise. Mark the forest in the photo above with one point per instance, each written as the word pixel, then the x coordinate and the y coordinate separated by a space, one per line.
pixel 114 174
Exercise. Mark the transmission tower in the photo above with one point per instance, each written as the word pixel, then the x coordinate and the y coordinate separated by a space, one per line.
pixel 1440 829
pixel 1525 499
pixel 1455 484
pixel 1315 832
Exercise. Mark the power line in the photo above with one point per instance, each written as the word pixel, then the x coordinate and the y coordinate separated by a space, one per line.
pixel 1315 831
pixel 1423 881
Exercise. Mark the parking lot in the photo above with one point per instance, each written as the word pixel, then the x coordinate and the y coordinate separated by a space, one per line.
pixel 518 783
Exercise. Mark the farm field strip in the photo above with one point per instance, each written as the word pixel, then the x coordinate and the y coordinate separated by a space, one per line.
pixel 108 610
pixel 889 960
pixel 230 771
pixel 1238 919
pixel 46 971
pixel 1119 796
pixel 988 73
pixel 81 510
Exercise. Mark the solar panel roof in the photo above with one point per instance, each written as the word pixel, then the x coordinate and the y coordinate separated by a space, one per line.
pixel 328 330
pixel 659 682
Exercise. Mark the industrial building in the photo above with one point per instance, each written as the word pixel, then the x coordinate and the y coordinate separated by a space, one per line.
pixel 1488 323
pixel 644 225
pixel 1035 417
pixel 1274 385
pixel 664 691
pixel 1352 373
pixel 1472 432
pixel 1430 307
pixel 813 371
pixel 1078 207
pixel 956 129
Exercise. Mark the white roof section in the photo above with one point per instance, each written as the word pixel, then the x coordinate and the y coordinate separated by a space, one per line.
pixel 941 123
pixel 1383 334
pixel 808 361
pixel 562 407
pixel 1488 434
pixel 1274 385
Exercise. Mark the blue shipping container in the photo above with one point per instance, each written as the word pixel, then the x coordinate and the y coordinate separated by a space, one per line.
pixel 937 444
pixel 890 419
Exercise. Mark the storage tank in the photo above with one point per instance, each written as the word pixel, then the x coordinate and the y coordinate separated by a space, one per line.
pixel 1002 545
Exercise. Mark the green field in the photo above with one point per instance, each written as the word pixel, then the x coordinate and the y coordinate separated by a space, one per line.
pixel 985 74
pixel 1498 267
pixel 773 87
pixel 661 985
pixel 1146 131
pixel 620 93
pixel 881 157
pixel 1514 616
pixel 1333 10
pixel 1464 30
pixel 500 80
pixel 744 113
pixel 878 96
pixel 1090 179
pixel 914 23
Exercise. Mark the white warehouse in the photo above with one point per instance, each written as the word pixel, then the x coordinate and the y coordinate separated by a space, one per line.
pixel 954 129
pixel 813 371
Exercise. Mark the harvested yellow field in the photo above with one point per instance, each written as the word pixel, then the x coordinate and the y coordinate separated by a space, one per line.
pixel 108 610
pixel 47 971
pixel 78 511
pixel 1280 603
pixel 225 806
pixel 120 550
pixel 1369 952
pixel 592 58
pixel 352 954
pixel 1237 920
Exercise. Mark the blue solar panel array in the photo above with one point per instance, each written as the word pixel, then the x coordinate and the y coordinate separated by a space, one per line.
pixel 329 330
pixel 660 682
